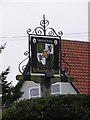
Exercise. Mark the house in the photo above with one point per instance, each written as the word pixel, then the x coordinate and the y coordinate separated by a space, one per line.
pixel 75 63
pixel 31 89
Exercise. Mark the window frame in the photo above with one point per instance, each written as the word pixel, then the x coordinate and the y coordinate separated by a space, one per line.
pixel 56 93
pixel 34 87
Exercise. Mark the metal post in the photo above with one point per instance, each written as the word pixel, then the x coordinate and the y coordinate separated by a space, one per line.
pixel 44 24
pixel 29 53
pixel 46 82
pixel 29 46
pixel 60 60
pixel 46 86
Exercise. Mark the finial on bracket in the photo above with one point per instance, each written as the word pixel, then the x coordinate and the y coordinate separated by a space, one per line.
pixel 43 16
pixel 28 31
pixel 60 33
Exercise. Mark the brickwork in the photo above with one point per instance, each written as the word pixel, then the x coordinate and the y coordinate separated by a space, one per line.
pixel 77 54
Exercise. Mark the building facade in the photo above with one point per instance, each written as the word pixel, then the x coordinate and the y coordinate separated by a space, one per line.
pixel 75 58
pixel 31 89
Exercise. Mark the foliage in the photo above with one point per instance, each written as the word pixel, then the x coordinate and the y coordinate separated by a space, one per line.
pixel 2 47
pixel 6 88
pixel 63 107
pixel 9 93
pixel 16 91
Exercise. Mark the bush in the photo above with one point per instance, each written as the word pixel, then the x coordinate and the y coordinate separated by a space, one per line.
pixel 65 107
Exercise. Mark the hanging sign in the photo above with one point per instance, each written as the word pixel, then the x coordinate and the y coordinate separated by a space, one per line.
pixel 45 55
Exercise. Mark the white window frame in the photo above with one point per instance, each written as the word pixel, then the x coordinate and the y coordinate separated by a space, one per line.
pixel 56 93
pixel 35 87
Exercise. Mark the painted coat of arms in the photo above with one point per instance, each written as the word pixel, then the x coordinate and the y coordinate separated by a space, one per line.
pixel 45 55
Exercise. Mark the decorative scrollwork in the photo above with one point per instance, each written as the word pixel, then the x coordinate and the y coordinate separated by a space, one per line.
pixel 68 68
pixel 38 31
pixel 51 32
pixel 26 53
pixel 60 33
pixel 44 23
pixel 43 30
pixel 28 31
pixel 22 67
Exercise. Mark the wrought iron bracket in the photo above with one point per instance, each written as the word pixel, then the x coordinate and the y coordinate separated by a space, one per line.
pixel 43 30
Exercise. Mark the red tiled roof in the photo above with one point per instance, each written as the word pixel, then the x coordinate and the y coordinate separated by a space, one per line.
pixel 77 54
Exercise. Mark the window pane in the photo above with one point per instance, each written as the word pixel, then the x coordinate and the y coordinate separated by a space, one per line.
pixel 55 88
pixel 34 92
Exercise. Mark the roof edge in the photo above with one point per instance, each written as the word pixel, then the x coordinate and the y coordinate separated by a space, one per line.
pixel 75 88
pixel 75 40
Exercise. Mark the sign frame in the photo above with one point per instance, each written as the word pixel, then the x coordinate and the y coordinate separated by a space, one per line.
pixel 41 40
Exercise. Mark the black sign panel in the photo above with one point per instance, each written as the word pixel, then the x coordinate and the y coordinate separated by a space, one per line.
pixel 45 55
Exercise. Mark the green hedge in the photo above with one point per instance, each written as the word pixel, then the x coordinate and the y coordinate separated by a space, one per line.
pixel 63 107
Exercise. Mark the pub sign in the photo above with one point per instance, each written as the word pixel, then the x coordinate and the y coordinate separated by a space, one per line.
pixel 45 55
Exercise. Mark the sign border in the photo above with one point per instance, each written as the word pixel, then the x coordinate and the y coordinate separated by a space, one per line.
pixel 42 74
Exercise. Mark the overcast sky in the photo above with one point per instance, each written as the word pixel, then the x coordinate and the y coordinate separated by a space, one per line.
pixel 17 17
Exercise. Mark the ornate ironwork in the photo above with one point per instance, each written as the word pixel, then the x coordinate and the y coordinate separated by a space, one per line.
pixel 22 67
pixel 43 30
pixel 67 69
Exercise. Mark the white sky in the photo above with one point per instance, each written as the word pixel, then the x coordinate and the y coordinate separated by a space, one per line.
pixel 17 17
